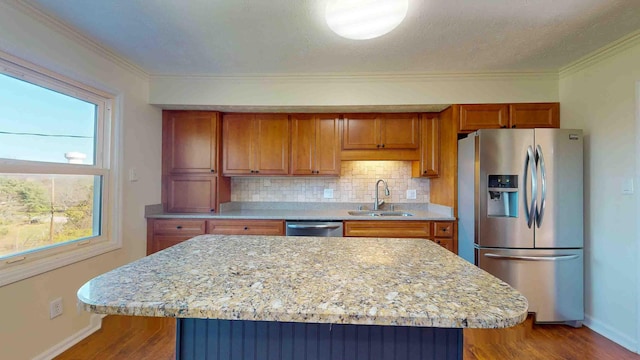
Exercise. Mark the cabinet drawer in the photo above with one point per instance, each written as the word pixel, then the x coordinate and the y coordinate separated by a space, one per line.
pixel 445 243
pixel 443 229
pixel 179 227
pixel 246 227
pixel 390 229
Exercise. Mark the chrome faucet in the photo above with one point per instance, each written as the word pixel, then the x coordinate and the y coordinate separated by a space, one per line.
pixel 376 203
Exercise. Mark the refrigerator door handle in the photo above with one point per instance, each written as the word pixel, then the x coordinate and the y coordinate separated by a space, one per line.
pixel 543 184
pixel 531 258
pixel 530 209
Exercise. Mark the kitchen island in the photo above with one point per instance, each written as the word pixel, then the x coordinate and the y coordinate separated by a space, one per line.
pixel 240 297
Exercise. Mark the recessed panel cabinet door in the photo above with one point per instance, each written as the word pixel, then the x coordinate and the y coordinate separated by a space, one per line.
pixel 191 193
pixel 327 145
pixel 303 144
pixel 190 142
pixel 399 131
pixel 361 131
pixel 237 144
pixel 272 139
pixel 484 116
pixel 529 116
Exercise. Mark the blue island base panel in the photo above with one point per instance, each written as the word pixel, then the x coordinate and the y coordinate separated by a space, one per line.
pixel 257 340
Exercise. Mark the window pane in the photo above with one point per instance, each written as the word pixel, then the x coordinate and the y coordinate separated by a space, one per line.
pixel 43 125
pixel 37 210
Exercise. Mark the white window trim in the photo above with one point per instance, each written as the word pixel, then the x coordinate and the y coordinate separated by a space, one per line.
pixel 24 265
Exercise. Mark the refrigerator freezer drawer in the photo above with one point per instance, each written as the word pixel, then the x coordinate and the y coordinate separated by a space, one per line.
pixel 551 280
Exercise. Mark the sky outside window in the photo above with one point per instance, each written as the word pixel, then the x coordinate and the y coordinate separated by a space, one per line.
pixel 42 125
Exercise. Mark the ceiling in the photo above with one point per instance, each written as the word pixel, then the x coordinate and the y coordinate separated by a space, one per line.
pixel 259 37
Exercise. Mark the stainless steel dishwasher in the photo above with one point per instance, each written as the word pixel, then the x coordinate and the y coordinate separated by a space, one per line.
pixel 314 228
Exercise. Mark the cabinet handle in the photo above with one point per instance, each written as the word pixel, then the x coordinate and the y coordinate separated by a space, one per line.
pixel 425 172
pixel 503 126
pixel 513 126
pixel 246 228
pixel 257 171
pixel 179 227
pixel 382 145
pixel 378 146
pixel 213 171
pixel 212 210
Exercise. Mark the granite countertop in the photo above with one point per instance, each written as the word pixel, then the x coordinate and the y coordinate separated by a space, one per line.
pixel 310 211
pixel 408 282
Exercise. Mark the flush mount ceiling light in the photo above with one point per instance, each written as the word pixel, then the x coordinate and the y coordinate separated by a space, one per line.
pixel 365 19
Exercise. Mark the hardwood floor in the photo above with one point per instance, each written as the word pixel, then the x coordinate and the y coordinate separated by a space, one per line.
pixel 141 338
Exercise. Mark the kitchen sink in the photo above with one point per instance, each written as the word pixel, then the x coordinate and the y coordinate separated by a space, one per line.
pixel 379 213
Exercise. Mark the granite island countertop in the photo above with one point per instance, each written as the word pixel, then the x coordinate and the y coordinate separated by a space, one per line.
pixel 377 281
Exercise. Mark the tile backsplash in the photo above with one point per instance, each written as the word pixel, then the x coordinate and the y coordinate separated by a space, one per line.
pixel 355 184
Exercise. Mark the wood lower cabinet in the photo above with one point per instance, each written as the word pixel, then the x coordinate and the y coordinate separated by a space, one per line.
pixel 164 233
pixel 444 235
pixel 440 232
pixel 398 229
pixel 190 193
pixel 315 144
pixel 255 144
pixel 245 227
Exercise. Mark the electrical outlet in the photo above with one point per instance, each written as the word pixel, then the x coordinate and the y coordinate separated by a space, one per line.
pixel 411 194
pixel 328 193
pixel 55 308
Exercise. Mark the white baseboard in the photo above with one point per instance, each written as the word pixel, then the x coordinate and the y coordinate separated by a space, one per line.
pixel 612 334
pixel 95 323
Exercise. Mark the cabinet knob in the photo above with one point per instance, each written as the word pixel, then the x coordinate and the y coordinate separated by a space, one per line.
pixel 503 126
pixel 179 227
pixel 246 228
pixel 425 172
pixel 382 145
pixel 257 171
pixel 213 171
pixel 212 210
pixel 513 126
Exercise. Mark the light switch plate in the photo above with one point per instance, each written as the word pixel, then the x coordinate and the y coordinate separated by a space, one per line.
pixel 133 174
pixel 411 194
pixel 627 186
pixel 328 193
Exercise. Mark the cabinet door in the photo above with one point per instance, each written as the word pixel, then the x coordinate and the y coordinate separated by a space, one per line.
pixel 327 145
pixel 388 229
pixel 190 141
pixel 191 193
pixel 246 227
pixel 272 139
pixel 237 144
pixel 399 131
pixel 544 115
pixel 430 146
pixel 361 131
pixel 303 144
pixel 483 116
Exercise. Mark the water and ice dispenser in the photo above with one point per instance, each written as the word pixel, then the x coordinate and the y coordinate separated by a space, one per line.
pixel 502 192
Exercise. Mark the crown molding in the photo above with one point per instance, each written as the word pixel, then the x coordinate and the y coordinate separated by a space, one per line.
pixel 72 33
pixel 601 54
pixel 450 76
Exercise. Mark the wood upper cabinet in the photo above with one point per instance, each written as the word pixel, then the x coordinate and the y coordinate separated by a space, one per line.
pixel 191 193
pixel 484 116
pixel 543 115
pixel 429 164
pixel 315 144
pixel 380 131
pixel 255 144
pixel 190 142
pixel 496 116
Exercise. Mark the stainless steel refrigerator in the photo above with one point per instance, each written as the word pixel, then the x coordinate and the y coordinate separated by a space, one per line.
pixel 520 209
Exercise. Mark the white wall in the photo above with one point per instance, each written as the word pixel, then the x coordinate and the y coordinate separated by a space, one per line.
pixel 361 90
pixel 600 97
pixel 25 328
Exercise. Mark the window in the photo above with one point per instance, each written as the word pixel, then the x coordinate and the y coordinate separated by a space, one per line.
pixel 55 175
